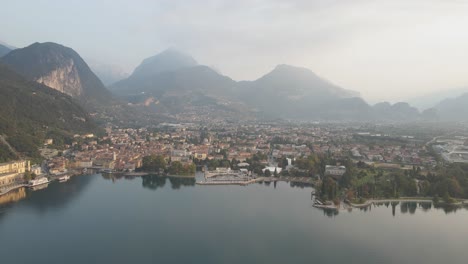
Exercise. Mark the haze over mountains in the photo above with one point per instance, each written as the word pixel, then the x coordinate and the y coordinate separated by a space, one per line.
pixel 432 99
pixel 453 109
pixel 172 83
pixel 108 73
pixel 285 92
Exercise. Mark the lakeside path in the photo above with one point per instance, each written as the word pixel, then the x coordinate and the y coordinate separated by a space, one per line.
pixel 140 174
pixel 260 179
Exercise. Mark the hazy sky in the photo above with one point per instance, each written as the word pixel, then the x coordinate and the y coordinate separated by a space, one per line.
pixel 384 49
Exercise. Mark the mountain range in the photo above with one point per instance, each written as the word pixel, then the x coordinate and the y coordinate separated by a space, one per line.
pixel 453 109
pixel 432 99
pixel 172 83
pixel 47 90
pixel 173 80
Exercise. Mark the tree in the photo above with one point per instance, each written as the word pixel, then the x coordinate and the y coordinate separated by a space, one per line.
pixel 154 163
pixel 177 168
pixel 267 173
pixel 27 176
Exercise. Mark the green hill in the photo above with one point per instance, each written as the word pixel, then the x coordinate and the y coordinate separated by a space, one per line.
pixel 31 112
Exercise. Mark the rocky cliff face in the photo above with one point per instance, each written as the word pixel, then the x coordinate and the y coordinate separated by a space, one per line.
pixel 60 68
pixel 64 79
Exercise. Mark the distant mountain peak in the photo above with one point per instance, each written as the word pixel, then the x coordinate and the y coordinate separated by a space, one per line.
pixel 301 81
pixel 291 68
pixel 4 49
pixel 170 59
pixel 7 45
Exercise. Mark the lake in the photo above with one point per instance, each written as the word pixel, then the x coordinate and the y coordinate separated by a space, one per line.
pixel 97 219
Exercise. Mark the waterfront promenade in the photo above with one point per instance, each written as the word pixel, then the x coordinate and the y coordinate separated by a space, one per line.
pixel 259 179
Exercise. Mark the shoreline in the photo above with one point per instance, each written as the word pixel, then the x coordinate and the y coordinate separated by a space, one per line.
pixel 460 202
pixel 13 188
pixel 260 179
pixel 142 173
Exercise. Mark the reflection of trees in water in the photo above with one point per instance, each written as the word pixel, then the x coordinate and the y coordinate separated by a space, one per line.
pixel 405 207
pixel 154 182
pixel 177 182
pixel 117 176
pixel 425 206
pixel 394 204
pixel 410 207
pixel 301 185
pixel 365 209
pixel 449 208
pixel 330 212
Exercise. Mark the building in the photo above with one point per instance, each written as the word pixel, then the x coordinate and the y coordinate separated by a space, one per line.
pixel 272 169
pixel 12 172
pixel 335 171
pixel 15 167
pixel 36 169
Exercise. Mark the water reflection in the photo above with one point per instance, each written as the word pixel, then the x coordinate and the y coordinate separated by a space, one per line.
pixel 153 182
pixel 13 196
pixel 330 212
pixel 177 182
pixel 301 185
pixel 118 176
pixel 39 187
pixel 406 207
pixel 58 195
pixel 44 197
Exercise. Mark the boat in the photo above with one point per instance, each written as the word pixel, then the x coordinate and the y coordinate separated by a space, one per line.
pixel 85 170
pixel 39 187
pixel 38 181
pixel 64 178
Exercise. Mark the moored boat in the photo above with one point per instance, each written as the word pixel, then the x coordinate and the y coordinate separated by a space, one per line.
pixel 38 181
pixel 64 178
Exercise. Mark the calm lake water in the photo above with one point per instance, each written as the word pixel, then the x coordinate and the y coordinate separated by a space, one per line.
pixel 92 219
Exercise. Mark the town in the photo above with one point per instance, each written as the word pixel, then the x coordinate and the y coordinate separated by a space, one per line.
pixel 303 152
